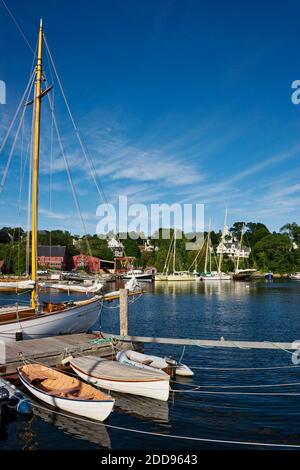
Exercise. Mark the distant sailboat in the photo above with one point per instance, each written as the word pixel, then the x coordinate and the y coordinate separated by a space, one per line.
pixel 209 275
pixel 174 275
pixel 242 274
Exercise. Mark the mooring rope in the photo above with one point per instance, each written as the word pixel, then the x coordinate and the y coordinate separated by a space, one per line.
pixel 266 394
pixel 292 384
pixel 243 369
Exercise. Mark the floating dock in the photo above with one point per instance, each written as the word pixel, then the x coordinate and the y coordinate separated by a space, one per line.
pixel 52 350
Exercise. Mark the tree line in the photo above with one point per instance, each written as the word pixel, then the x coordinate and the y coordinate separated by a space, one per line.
pixel 278 252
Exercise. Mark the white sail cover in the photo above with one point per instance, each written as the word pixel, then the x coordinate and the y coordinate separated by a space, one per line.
pixel 96 287
pixel 17 284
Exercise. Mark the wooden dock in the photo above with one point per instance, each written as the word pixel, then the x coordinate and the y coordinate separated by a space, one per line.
pixel 53 349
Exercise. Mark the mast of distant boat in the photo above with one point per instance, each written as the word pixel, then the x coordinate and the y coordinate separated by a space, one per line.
pixel 208 248
pixel 222 243
pixel 240 247
pixel 174 251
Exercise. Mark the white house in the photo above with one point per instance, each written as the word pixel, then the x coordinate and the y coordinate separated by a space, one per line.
pixel 116 247
pixel 231 247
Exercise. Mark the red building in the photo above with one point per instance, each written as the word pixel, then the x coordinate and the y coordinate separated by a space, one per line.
pixel 92 264
pixel 53 257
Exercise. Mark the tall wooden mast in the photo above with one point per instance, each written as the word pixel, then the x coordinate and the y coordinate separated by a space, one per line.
pixel 35 166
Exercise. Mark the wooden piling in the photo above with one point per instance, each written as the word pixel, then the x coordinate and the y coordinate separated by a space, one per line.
pixel 123 312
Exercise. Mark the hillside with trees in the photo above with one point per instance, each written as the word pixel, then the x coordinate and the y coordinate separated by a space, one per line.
pixel 278 252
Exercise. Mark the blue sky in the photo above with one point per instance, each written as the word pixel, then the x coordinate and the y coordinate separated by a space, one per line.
pixel 178 101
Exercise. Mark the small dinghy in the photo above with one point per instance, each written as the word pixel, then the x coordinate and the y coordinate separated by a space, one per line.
pixel 147 362
pixel 117 377
pixel 65 393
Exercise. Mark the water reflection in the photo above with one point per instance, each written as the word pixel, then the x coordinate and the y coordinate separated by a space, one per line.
pixel 222 289
pixel 141 407
pixel 89 431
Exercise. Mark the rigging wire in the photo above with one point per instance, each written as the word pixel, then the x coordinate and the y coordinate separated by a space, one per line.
pixel 29 84
pixel 20 196
pixel 50 177
pixel 18 26
pixel 198 254
pixel 13 145
pixel 84 149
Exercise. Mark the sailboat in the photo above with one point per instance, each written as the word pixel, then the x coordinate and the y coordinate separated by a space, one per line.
pixel 40 320
pixel 174 275
pixel 209 275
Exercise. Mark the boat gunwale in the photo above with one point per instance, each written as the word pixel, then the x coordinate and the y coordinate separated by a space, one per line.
pixel 76 304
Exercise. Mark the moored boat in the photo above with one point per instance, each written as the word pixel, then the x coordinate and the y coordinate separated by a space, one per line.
pixel 214 276
pixel 139 275
pixel 166 275
pixel 268 276
pixel 51 319
pixel 65 393
pixel 295 277
pixel 148 362
pixel 117 377
pixel 243 274
pixel 180 276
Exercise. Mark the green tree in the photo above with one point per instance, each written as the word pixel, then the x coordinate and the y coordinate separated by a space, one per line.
pixel 293 231
pixel 236 229
pixel 273 253
pixel 96 246
pixel 255 232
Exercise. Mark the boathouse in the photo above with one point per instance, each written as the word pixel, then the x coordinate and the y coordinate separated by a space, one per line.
pixel 53 257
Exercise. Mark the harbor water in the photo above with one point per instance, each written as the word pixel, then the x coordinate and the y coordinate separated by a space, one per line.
pixel 230 405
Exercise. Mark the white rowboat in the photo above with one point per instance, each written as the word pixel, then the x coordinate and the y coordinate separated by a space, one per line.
pixel 65 393
pixel 147 362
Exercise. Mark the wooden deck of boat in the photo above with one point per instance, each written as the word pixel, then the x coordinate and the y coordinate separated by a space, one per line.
pixel 53 349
